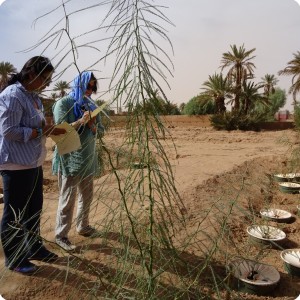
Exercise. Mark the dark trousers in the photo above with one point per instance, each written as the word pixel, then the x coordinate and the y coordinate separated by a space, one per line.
pixel 20 225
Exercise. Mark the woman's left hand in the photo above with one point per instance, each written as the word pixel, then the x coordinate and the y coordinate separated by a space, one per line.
pixel 91 124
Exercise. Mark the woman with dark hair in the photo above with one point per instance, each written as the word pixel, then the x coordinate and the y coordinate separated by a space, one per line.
pixel 22 152
pixel 76 170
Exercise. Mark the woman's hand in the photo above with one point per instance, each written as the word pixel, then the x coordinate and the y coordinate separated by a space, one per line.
pixel 85 118
pixel 51 129
pixel 82 121
pixel 46 131
pixel 91 124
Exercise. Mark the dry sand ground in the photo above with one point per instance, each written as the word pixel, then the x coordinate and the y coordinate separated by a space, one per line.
pixel 207 165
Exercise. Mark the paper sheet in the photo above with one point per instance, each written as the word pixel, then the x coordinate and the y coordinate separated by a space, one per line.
pixel 68 141
pixel 98 109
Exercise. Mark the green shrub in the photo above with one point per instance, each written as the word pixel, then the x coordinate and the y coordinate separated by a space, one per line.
pixel 154 106
pixel 250 122
pixel 297 116
pixel 226 121
pixel 199 105
pixel 234 121
pixel 276 101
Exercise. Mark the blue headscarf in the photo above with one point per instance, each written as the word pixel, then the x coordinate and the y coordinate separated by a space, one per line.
pixel 81 102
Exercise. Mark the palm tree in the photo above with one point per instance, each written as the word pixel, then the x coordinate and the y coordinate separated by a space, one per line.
pixel 293 69
pixel 6 69
pixel 53 96
pixel 241 69
pixel 217 88
pixel 61 87
pixel 269 82
pixel 250 97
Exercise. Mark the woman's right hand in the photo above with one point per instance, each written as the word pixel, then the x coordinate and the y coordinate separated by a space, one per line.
pixel 82 121
pixel 85 118
pixel 46 131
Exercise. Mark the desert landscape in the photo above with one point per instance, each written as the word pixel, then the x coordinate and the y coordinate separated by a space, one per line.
pixel 222 178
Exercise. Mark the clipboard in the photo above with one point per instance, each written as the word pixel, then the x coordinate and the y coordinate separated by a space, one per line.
pixel 67 142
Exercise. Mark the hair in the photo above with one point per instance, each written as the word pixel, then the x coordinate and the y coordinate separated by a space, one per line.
pixel 36 65
pixel 95 87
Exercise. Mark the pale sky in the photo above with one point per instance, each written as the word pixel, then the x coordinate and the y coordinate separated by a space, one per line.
pixel 203 31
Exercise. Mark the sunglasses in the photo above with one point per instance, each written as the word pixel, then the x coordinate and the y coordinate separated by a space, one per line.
pixel 92 87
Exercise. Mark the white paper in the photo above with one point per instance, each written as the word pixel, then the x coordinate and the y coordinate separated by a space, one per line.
pixel 68 141
pixel 98 109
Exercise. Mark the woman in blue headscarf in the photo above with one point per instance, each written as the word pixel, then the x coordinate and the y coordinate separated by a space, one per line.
pixel 76 170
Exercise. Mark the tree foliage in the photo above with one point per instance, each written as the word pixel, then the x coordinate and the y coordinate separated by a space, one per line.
pixel 297 116
pixel 61 87
pixel 269 82
pixel 235 121
pixel 199 105
pixel 276 101
pixel 238 60
pixel 157 106
pixel 293 69
pixel 6 68
pixel 250 97
pixel 248 103
pixel 218 89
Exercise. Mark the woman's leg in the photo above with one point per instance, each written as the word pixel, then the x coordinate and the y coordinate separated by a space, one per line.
pixel 35 208
pixel 23 203
pixel 66 203
pixel 85 197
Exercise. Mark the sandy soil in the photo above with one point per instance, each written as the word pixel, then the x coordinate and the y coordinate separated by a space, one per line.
pixel 211 168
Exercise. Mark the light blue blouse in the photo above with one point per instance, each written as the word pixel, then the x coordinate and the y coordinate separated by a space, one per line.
pixel 83 162
pixel 18 116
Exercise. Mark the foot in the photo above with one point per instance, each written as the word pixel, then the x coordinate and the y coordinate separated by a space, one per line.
pixel 65 244
pixel 89 231
pixel 43 254
pixel 25 268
